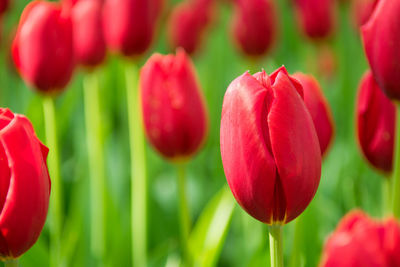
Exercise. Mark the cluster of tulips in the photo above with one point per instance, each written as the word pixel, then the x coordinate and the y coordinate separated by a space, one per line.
pixel 275 128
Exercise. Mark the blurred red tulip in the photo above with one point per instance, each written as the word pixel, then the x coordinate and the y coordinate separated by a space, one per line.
pixel 89 43
pixel 129 25
pixel 4 6
pixel 43 48
pixel 319 109
pixel 360 241
pixel 362 10
pixel 316 17
pixel 376 118
pixel 269 146
pixel 381 38
pixel 24 185
pixel 174 111
pixel 254 26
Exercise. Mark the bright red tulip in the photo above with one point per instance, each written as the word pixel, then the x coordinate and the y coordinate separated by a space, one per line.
pixel 269 146
pixel 174 112
pixel 254 26
pixel 362 241
pixel 24 185
pixel 319 109
pixel 362 10
pixel 43 48
pixel 381 38
pixel 376 118
pixel 129 25
pixel 316 17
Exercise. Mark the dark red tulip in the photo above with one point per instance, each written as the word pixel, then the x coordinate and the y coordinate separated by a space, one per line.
pixel 43 49
pixel 376 118
pixel 89 43
pixel 24 185
pixel 254 26
pixel 269 146
pixel 316 17
pixel 361 241
pixel 174 112
pixel 381 38
pixel 129 25
pixel 319 109
pixel 362 10
pixel 4 6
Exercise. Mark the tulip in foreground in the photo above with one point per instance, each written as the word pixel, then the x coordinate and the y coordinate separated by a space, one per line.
pixel 362 10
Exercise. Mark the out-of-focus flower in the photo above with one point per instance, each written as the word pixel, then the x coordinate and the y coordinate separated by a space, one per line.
pixel 361 10
pixel 4 6
pixel 174 112
pixel 24 185
pixel 269 146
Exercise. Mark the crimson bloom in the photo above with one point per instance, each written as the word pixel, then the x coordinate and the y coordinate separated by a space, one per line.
pixel 362 10
pixel 174 112
pixel 376 118
pixel 269 146
pixel 319 109
pixel 24 185
pixel 4 6
pixel 42 49
pixel 381 38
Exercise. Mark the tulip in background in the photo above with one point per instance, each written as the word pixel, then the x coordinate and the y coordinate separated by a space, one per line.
pixel 361 11
pixel 25 185
pixel 270 150
pixel 4 4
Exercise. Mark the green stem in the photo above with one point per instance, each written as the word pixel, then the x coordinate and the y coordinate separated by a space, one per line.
pixel 275 245
pixel 386 195
pixel 295 258
pixel 95 143
pixel 138 168
pixel 56 183
pixel 11 263
pixel 396 166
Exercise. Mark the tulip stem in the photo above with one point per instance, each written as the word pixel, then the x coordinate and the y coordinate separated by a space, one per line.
pixel 11 263
pixel 396 171
pixel 138 168
pixel 95 143
pixel 56 183
pixel 386 195
pixel 275 245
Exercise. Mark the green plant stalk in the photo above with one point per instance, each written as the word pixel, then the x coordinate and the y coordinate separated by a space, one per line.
pixel 386 195
pixel 138 168
pixel 396 171
pixel 295 258
pixel 11 263
pixel 56 195
pixel 95 143
pixel 275 245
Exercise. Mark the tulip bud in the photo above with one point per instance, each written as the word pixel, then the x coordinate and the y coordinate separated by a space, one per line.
pixel 4 6
pixel 89 43
pixel 254 26
pixel 319 109
pixel 316 17
pixel 362 10
pixel 269 146
pixel 376 118
pixel 24 185
pixel 174 112
pixel 129 25
pixel 381 38
pixel 43 49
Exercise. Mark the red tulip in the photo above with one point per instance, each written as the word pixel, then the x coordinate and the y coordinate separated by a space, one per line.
pixel 381 38
pixel 43 49
pixel 319 109
pixel 316 17
pixel 376 116
pixel 4 6
pixel 361 241
pixel 362 10
pixel 24 185
pixel 269 146
pixel 254 26
pixel 174 112
pixel 89 43
pixel 129 25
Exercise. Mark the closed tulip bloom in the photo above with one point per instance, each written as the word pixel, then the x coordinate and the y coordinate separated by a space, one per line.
pixel 254 26
pixel 362 10
pixel 381 38
pixel 43 49
pixel 174 112
pixel 24 185
pixel 269 146
pixel 376 117
pixel 4 6
pixel 319 109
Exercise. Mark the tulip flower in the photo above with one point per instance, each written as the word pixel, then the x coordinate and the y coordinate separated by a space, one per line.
pixel 43 48
pixel 24 185
pixel 174 112
pixel 319 109
pixel 254 26
pixel 362 10
pixel 4 6
pixel 361 241
pixel 376 116
pixel 316 17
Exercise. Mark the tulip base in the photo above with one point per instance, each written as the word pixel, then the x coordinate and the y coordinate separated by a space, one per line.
pixel 11 263
pixel 396 168
pixel 275 245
